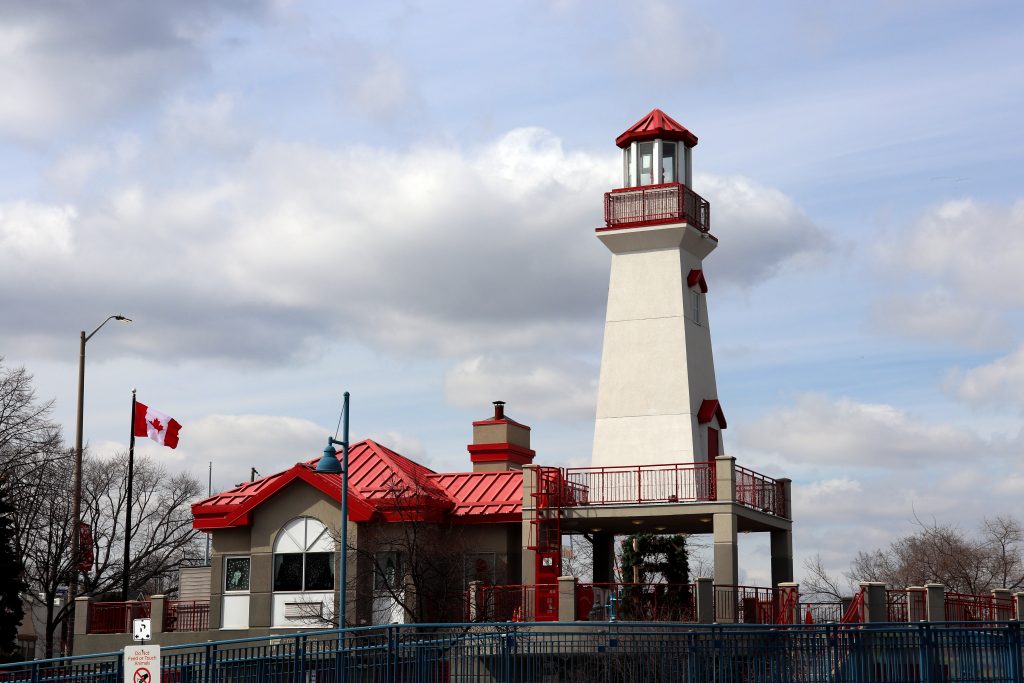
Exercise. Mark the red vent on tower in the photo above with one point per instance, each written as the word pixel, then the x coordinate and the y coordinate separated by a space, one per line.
pixel 657 124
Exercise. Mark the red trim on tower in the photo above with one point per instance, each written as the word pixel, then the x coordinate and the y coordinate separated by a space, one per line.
pixel 500 452
pixel 696 277
pixel 657 124
pixel 710 408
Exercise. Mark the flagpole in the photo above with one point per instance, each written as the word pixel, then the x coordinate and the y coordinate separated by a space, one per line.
pixel 128 507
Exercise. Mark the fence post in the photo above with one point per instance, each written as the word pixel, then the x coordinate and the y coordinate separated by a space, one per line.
pixel 81 616
pixel 1015 645
pixel 935 602
pixel 916 604
pixel 157 605
pixel 567 598
pixel 925 651
pixel 876 610
pixel 705 590
pixel 789 603
pixel 1002 601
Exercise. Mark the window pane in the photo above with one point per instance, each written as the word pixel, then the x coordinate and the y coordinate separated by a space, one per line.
pixel 288 572
pixel 646 153
pixel 319 572
pixel 388 571
pixel 625 167
pixel 236 574
pixel 668 162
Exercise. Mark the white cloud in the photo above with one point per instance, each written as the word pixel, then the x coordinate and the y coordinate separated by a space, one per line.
pixel 966 255
pixel 552 389
pixel 662 34
pixel 34 232
pixel 819 430
pixel 997 383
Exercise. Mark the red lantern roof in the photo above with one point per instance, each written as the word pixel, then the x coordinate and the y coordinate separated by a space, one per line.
pixel 657 124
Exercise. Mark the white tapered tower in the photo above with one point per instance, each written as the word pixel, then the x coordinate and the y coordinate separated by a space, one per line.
pixel 657 401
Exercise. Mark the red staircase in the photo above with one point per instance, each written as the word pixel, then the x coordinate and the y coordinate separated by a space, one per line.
pixel 546 539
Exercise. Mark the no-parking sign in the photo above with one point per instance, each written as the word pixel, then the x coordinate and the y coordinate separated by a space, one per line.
pixel 142 664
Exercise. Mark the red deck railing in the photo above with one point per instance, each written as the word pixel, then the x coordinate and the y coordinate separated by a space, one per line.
pixel 760 492
pixel 653 204
pixel 518 603
pixel 115 617
pixel 969 607
pixel 822 612
pixel 636 602
pixel 686 482
pixel 854 613
pixel 186 615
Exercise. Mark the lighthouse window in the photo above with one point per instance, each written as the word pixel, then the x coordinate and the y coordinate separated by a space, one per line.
pixel 668 162
pixel 646 153
pixel 695 308
pixel 626 158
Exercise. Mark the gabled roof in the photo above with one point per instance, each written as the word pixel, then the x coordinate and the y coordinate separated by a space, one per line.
pixel 709 408
pixel 384 485
pixel 657 124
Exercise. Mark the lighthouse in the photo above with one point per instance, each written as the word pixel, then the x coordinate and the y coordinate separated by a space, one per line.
pixel 657 401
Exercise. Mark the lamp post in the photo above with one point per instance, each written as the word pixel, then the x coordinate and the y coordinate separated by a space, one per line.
pixel 329 464
pixel 76 504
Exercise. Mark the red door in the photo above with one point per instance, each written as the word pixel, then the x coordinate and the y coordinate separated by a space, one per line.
pixel 712 443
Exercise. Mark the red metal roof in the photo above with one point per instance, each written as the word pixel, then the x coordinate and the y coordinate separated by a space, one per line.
pixel 657 124
pixel 484 493
pixel 384 485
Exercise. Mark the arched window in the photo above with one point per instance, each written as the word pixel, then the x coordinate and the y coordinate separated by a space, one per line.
pixel 304 556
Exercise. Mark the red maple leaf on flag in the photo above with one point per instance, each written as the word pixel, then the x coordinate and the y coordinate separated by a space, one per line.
pixel 156 424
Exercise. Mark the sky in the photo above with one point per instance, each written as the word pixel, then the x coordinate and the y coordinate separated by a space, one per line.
pixel 295 199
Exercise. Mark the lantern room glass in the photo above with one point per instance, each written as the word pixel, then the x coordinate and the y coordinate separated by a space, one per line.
pixel 669 174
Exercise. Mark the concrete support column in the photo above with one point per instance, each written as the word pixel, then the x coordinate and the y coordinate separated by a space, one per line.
pixel 1018 605
pixel 782 557
pixel 789 600
pixel 916 599
pixel 603 558
pixel 727 570
pixel 935 602
pixel 81 615
pixel 529 560
pixel 1003 600
pixel 787 497
pixel 705 597
pixel 725 478
pixel 157 604
pixel 876 608
pixel 567 598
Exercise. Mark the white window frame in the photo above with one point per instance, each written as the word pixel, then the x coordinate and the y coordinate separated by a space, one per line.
pixel 236 591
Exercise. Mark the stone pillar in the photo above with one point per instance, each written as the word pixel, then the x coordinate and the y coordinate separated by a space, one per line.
pixel 567 598
pixel 529 559
pixel 1018 604
pixel 1003 600
pixel 935 602
pixel 705 597
pixel 876 608
pixel 789 600
pixel 603 557
pixel 725 549
pixel 782 556
pixel 916 600
pixel 81 616
pixel 725 478
pixel 157 604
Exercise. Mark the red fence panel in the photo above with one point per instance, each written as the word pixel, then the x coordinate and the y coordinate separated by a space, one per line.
pixel 186 615
pixel 115 617
pixel 760 492
pixel 747 604
pixel 636 602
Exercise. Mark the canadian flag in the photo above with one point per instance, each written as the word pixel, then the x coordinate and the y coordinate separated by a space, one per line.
pixel 161 428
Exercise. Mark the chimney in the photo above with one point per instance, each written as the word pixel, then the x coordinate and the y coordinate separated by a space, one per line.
pixel 500 443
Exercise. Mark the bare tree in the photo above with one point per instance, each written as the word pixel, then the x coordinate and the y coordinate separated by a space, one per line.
pixel 819 585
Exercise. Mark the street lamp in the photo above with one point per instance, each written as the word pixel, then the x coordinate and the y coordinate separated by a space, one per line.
pixel 329 465
pixel 76 509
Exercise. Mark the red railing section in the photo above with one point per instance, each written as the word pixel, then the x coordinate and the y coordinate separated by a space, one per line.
pixel 684 482
pixel 653 204
pixel 636 602
pixel 760 492
pixel 186 615
pixel 825 612
pixel 115 617
pixel 746 604
pixel 901 603
pixel 854 613
pixel 970 607
pixel 519 602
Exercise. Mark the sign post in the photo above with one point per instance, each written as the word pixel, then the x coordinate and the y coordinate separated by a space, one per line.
pixel 142 664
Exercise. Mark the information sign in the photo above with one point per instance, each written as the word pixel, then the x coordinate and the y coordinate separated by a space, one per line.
pixel 142 664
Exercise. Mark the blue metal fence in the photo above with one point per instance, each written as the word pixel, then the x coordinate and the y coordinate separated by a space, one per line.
pixel 586 652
